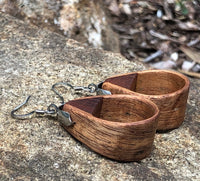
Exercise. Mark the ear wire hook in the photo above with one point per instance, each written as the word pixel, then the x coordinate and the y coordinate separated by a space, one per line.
pixel 52 110
pixel 53 88
pixel 90 88
pixel 35 113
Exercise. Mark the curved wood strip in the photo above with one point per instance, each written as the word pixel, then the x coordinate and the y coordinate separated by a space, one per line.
pixel 167 89
pixel 124 136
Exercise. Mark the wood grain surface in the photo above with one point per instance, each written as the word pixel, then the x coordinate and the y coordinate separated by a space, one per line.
pixel 120 127
pixel 167 89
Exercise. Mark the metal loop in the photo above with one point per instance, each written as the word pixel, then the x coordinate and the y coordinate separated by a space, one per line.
pixel 52 107
pixel 93 87
pixel 62 116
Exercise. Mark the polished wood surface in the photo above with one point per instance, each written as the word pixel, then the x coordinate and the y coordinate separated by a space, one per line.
pixel 167 89
pixel 120 127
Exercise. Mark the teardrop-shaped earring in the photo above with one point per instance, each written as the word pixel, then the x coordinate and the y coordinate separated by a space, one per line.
pixel 167 89
pixel 120 127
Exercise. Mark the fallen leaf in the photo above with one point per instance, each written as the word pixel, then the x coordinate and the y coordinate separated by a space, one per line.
pixel 191 53
pixel 163 37
pixel 188 26
pixel 192 74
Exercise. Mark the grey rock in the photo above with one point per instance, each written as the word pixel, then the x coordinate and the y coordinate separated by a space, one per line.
pixel 32 60
pixel 83 20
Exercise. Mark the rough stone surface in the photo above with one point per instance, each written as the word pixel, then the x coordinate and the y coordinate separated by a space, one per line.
pixel 31 61
pixel 82 20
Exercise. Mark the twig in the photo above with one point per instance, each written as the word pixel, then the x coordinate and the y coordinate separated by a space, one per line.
pixel 163 37
pixel 153 56
pixel 187 26
pixel 167 11
pixel 193 42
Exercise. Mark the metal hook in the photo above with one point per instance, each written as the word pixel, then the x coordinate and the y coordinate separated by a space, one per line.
pixel 52 110
pixel 32 113
pixel 57 93
pixel 90 88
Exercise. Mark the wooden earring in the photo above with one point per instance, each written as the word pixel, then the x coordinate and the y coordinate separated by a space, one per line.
pixel 167 89
pixel 120 127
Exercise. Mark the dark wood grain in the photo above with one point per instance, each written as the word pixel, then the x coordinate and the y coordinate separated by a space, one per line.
pixel 122 127
pixel 167 89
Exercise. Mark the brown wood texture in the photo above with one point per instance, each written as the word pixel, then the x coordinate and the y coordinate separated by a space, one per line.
pixel 120 127
pixel 167 89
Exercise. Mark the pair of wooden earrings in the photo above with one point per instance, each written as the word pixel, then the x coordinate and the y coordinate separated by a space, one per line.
pixel 122 126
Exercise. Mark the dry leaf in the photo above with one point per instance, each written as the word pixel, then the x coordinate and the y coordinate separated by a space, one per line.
pixel 191 53
pixel 188 26
pixel 163 37
pixel 192 74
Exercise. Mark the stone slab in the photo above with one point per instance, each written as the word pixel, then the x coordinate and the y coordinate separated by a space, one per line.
pixel 31 60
